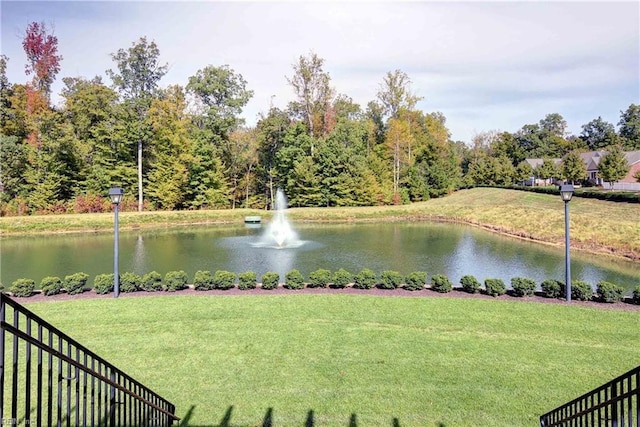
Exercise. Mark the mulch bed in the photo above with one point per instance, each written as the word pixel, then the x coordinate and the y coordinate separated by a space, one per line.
pixel 425 293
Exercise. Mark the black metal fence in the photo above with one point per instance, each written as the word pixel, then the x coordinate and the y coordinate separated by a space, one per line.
pixel 615 404
pixel 47 379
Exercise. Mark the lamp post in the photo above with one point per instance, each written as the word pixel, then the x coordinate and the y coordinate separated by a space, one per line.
pixel 566 192
pixel 116 197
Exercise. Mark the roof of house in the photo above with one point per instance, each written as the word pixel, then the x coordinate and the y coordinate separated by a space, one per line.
pixel 633 157
pixel 537 162
pixel 592 158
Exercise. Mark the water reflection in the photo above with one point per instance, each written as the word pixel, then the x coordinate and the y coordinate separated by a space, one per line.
pixel 450 249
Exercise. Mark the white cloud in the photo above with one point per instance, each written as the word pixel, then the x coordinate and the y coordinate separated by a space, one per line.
pixel 486 65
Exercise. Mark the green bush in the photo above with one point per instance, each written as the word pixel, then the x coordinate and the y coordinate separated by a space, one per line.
pixel 390 279
pixel 130 282
pixel 495 287
pixel 609 292
pixel 366 279
pixel 552 288
pixel 224 280
pixel 441 283
pixel 51 285
pixel 151 282
pixel 294 280
pixel 523 287
pixel 636 295
pixel 175 280
pixel 23 287
pixel 319 278
pixel 203 280
pixel 247 280
pixel 581 291
pixel 75 283
pixel 470 284
pixel 103 283
pixel 270 280
pixel 415 281
pixel 342 278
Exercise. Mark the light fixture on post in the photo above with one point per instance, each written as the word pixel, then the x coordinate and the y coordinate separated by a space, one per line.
pixel 566 193
pixel 116 197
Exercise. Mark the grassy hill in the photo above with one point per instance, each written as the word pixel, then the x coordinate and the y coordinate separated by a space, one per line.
pixel 596 225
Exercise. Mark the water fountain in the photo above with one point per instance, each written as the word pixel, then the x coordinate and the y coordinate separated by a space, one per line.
pixel 279 234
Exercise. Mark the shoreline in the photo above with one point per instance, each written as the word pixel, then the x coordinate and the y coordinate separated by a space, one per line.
pixel 603 228
pixel 608 251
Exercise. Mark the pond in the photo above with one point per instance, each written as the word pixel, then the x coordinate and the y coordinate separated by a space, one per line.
pixel 437 248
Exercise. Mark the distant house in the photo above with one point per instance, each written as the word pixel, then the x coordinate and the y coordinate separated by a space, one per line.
pixel 534 180
pixel 592 161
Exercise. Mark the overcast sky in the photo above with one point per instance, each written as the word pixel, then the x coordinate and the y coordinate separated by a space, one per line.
pixel 485 65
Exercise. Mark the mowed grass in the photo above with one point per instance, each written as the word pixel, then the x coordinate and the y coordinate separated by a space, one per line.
pixel 349 360
pixel 596 225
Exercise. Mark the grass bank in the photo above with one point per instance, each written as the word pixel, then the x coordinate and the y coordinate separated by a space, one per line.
pixel 596 225
pixel 333 359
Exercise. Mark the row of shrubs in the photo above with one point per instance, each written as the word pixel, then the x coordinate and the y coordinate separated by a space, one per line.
pixel 587 193
pixel 204 280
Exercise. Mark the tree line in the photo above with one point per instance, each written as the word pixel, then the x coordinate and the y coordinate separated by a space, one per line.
pixel 186 146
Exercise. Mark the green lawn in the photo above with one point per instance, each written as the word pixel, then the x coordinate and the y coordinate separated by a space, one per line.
pixel 345 360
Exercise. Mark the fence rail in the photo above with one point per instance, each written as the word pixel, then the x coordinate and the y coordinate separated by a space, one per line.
pixel 615 404
pixel 47 378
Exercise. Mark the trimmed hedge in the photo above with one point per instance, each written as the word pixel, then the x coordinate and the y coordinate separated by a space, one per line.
pixel 581 291
pixel 270 280
pixel 319 278
pixel 470 284
pixel 22 287
pixel 247 280
pixel 224 280
pixel 415 281
pixel 606 292
pixel 342 278
pixel 103 284
pixel 75 283
pixel 203 281
pixel 130 282
pixel 51 285
pixel 151 282
pixel 636 295
pixel 552 288
pixel 175 280
pixel 495 287
pixel 609 292
pixel 523 287
pixel 441 283
pixel 366 279
pixel 610 196
pixel 294 280
pixel 390 279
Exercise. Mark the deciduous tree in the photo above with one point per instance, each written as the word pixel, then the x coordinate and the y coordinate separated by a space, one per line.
pixel 41 48
pixel 395 93
pixel 598 134
pixel 139 71
pixel 573 167
pixel 547 170
pixel 630 127
pixel 312 86
pixel 613 165
pixel 223 94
